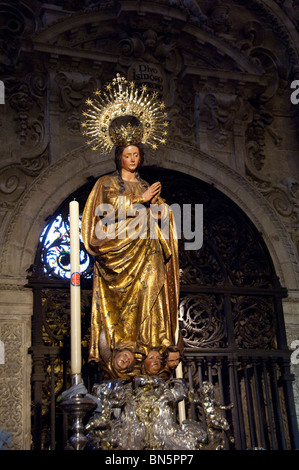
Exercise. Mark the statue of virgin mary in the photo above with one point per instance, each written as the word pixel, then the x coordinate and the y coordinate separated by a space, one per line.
pixel 136 269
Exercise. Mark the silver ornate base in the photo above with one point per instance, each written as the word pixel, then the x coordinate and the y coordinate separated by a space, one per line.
pixel 141 415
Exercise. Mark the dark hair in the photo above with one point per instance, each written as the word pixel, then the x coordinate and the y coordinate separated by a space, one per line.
pixel 171 349
pixel 117 160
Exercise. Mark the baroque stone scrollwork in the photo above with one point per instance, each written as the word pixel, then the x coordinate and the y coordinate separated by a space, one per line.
pixel 71 91
pixel 221 113
pixel 152 60
pixel 17 22
pixel 25 149
pixel 28 153
pixel 12 183
pixel 262 133
pixel 283 197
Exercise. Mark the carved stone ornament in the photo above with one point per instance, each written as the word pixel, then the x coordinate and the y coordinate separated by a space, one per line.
pixel 12 386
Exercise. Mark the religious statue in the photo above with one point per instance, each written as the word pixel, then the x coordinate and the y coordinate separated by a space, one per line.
pixel 215 421
pixel 130 231
pixel 135 338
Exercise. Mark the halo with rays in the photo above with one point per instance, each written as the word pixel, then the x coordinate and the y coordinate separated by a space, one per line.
pixel 123 114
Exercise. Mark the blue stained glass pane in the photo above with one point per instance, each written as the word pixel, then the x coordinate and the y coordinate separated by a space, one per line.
pixel 55 240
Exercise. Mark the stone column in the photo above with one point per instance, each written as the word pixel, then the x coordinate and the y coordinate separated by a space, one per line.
pixel 15 365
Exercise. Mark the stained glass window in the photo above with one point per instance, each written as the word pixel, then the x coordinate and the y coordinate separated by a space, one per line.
pixel 55 249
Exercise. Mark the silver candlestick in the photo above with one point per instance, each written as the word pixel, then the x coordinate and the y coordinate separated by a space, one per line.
pixel 76 406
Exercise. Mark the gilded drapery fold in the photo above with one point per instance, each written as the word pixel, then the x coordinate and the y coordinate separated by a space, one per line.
pixel 136 280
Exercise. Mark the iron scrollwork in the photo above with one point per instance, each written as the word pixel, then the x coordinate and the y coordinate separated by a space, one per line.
pixel 254 322
pixel 202 322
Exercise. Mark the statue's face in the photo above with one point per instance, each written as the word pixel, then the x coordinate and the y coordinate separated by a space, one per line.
pixel 123 360
pixel 173 359
pixel 130 158
pixel 152 363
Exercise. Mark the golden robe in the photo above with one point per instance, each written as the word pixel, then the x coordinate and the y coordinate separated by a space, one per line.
pixel 135 281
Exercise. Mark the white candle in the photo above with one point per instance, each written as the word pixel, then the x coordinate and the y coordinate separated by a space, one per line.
pixel 75 289
pixel 179 375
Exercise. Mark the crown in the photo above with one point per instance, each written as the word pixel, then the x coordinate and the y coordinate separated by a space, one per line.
pixel 123 114
pixel 127 135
